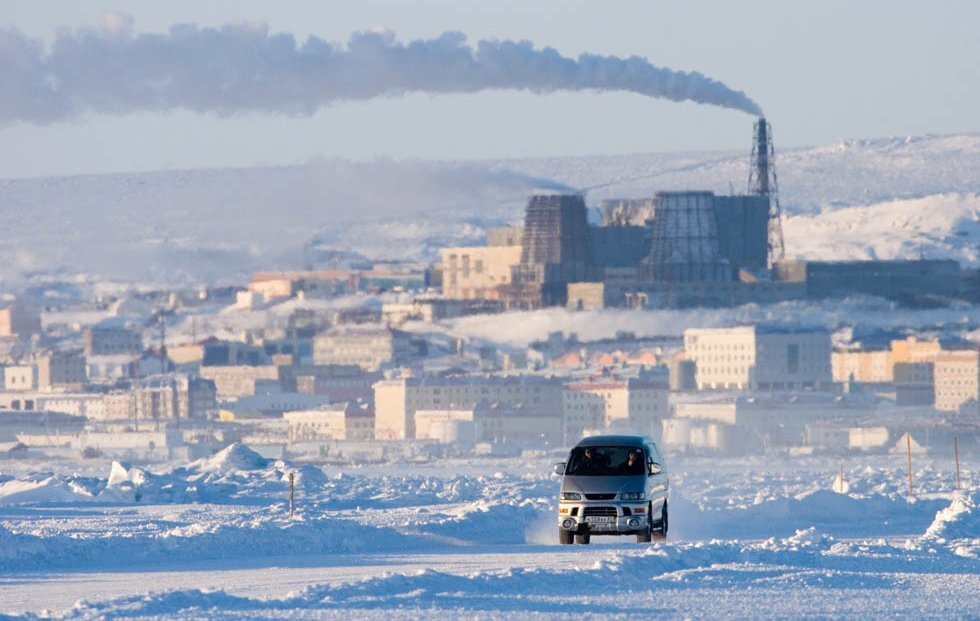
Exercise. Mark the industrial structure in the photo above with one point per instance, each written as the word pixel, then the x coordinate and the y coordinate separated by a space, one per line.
pixel 675 249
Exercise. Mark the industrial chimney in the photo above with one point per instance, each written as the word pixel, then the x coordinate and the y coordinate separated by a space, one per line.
pixel 759 174
pixel 762 182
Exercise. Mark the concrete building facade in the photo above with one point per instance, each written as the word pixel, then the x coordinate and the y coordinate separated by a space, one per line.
pixel 759 358
pixel 488 422
pixel 636 405
pixel 338 421
pixel 238 381
pixel 476 273
pixel 397 400
pixel 112 338
pixel 369 347
pixel 61 370
pixel 20 319
pixel 957 381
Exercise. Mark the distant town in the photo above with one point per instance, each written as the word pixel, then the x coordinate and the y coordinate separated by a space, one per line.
pixel 347 362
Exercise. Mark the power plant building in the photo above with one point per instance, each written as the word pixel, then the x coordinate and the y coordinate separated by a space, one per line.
pixel 676 249
pixel 556 250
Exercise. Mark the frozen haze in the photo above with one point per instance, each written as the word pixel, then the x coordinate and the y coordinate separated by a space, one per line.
pixel 886 198
pixel 244 68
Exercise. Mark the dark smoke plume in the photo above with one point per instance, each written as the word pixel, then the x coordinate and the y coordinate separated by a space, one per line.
pixel 244 68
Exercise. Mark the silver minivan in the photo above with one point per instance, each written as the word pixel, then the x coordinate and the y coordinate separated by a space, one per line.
pixel 613 485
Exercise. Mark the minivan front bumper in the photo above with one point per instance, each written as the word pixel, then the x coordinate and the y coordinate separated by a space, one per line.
pixel 602 517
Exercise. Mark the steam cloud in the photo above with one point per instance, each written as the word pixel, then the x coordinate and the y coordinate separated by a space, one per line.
pixel 244 68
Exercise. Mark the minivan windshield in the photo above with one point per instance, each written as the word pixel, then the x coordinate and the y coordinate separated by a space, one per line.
pixel 605 461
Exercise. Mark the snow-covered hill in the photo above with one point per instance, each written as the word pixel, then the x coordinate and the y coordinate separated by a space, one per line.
pixel 883 198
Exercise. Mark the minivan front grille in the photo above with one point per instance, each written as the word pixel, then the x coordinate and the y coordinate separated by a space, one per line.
pixel 597 511
pixel 600 496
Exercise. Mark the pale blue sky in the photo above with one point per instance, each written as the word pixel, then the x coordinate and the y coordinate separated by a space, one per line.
pixel 823 70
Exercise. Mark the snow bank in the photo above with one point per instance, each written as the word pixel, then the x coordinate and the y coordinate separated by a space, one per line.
pixel 45 489
pixel 806 560
pixel 489 522
pixel 959 520
pixel 232 458
pixel 828 511
pixel 958 526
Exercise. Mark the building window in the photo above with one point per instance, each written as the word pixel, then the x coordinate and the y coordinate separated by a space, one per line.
pixel 793 358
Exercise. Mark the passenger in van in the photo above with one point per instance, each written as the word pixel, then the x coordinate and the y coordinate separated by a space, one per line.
pixel 591 459
pixel 633 463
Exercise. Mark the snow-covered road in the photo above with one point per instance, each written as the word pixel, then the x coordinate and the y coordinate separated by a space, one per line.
pixel 749 538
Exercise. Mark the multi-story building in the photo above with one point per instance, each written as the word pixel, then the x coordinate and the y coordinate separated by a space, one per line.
pixel 957 381
pixel 476 273
pixel 877 366
pixel 78 404
pixel 759 358
pixel 369 347
pixel 110 338
pixel 19 378
pixel 238 381
pixel 163 397
pixel 61 370
pixel 488 422
pixel 862 366
pixel 637 405
pixel 20 319
pixel 337 421
pixel 396 401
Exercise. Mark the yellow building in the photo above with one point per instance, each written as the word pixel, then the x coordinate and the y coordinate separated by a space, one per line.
pixel 879 366
pixel 862 366
pixel 476 273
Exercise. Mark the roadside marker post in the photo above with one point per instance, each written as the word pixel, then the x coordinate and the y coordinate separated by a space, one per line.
pixel 956 456
pixel 908 451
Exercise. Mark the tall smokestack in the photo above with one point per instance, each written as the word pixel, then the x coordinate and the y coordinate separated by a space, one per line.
pixel 759 174
pixel 762 182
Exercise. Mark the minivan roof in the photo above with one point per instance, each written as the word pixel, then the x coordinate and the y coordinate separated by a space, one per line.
pixel 615 441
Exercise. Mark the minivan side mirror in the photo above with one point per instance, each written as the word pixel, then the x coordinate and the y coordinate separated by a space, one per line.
pixel 560 468
pixel 654 468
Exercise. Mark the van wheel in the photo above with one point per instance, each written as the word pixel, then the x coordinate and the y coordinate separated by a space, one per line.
pixel 661 531
pixel 582 538
pixel 645 536
pixel 566 537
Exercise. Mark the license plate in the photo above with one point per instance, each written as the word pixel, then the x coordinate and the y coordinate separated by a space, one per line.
pixel 600 519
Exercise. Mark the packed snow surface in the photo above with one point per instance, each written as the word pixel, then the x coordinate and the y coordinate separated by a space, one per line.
pixel 213 538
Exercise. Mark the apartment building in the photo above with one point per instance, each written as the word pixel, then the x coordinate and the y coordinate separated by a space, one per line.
pixel 111 338
pixel 61 370
pixel 636 405
pixel 476 273
pixel 337 421
pixel 370 347
pixel 488 422
pixel 397 400
pixel 957 381
pixel 759 358
pixel 877 366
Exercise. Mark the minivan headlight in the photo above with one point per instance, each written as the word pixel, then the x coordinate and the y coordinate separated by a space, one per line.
pixel 632 496
pixel 571 496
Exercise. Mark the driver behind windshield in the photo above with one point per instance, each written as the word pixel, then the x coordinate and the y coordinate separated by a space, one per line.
pixel 633 463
